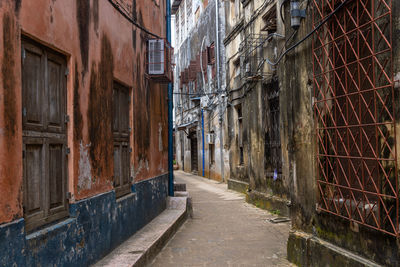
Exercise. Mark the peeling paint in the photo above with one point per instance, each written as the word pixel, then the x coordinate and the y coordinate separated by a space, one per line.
pixel 160 137
pixel 143 165
pixel 397 80
pixel 85 169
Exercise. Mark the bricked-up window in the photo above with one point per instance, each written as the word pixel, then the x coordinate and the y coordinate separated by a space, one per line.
pixel 354 113
pixel 44 135
pixel 121 130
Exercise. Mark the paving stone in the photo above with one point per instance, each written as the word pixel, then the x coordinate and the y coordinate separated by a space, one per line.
pixel 224 230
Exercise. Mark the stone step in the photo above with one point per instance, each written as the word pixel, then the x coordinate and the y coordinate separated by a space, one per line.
pixel 143 246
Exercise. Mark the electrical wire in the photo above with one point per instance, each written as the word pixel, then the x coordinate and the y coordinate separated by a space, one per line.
pixel 308 35
pixel 280 11
pixel 118 8
pixel 257 12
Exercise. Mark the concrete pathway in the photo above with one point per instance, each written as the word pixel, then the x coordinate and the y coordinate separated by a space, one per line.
pixel 224 231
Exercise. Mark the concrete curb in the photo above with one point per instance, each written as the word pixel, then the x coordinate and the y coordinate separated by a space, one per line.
pixel 304 249
pixel 159 244
pixel 142 247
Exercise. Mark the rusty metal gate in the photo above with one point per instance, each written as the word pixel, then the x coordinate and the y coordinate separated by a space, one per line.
pixel 354 104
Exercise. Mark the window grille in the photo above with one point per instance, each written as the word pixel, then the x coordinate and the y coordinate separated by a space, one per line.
pixel 354 104
pixel 273 154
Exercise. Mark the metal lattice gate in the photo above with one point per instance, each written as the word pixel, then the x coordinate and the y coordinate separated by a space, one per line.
pixel 354 112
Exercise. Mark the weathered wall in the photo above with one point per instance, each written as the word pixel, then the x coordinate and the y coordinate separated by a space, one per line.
pixel 296 76
pixel 198 39
pixel 96 226
pixel 244 25
pixel 101 46
pixel 10 117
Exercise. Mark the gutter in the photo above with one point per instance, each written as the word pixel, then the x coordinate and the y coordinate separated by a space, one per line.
pixel 170 107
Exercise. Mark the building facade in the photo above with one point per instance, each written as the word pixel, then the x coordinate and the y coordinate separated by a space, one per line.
pixel 254 140
pixel 312 91
pixel 199 87
pixel 343 86
pixel 83 129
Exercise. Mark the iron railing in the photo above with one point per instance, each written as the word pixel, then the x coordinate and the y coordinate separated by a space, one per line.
pixel 354 110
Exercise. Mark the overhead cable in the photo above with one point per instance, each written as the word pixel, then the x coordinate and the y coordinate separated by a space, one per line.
pixel 308 35
pixel 118 8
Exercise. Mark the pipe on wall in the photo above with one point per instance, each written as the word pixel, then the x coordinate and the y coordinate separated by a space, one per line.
pixel 170 107
pixel 221 145
pixel 202 132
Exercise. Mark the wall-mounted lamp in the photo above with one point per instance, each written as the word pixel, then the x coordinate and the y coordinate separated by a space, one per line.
pixel 296 14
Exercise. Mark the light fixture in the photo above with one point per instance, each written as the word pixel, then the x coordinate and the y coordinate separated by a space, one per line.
pixel 296 14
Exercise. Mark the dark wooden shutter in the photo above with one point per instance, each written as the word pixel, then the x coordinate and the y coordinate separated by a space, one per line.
pixel 44 135
pixel 121 102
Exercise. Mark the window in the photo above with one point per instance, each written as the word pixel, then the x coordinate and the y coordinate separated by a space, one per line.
pixel 189 18
pixel 177 27
pixel 182 12
pixel 270 20
pixel 211 149
pixel 211 54
pixel 240 134
pixel 44 135
pixel 273 153
pixel 121 130
pixel 355 114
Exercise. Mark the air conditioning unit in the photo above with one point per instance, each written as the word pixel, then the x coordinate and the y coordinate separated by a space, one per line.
pixel 210 138
pixel 159 59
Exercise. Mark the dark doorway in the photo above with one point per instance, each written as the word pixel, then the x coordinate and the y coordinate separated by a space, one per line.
pixel 193 151
pixel 272 154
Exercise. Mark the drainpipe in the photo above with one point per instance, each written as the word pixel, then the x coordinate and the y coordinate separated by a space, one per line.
pixel 204 88
pixel 202 132
pixel 221 143
pixel 170 107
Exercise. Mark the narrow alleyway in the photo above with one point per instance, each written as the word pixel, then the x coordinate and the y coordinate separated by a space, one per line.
pixel 224 231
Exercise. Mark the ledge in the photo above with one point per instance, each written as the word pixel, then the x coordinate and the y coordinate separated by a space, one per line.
pixel 143 246
pixel 238 186
pixel 51 229
pixel 234 32
pixel 304 249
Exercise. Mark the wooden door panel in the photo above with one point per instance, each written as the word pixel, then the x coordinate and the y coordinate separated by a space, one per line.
pixel 56 177
pixel 32 87
pixel 124 111
pixel 125 164
pixel 116 106
pixel 117 165
pixel 34 177
pixel 55 94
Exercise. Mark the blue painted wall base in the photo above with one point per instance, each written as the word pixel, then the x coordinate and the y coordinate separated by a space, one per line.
pixel 96 226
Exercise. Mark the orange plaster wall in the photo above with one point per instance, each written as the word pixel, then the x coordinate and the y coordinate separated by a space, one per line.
pixel 100 46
